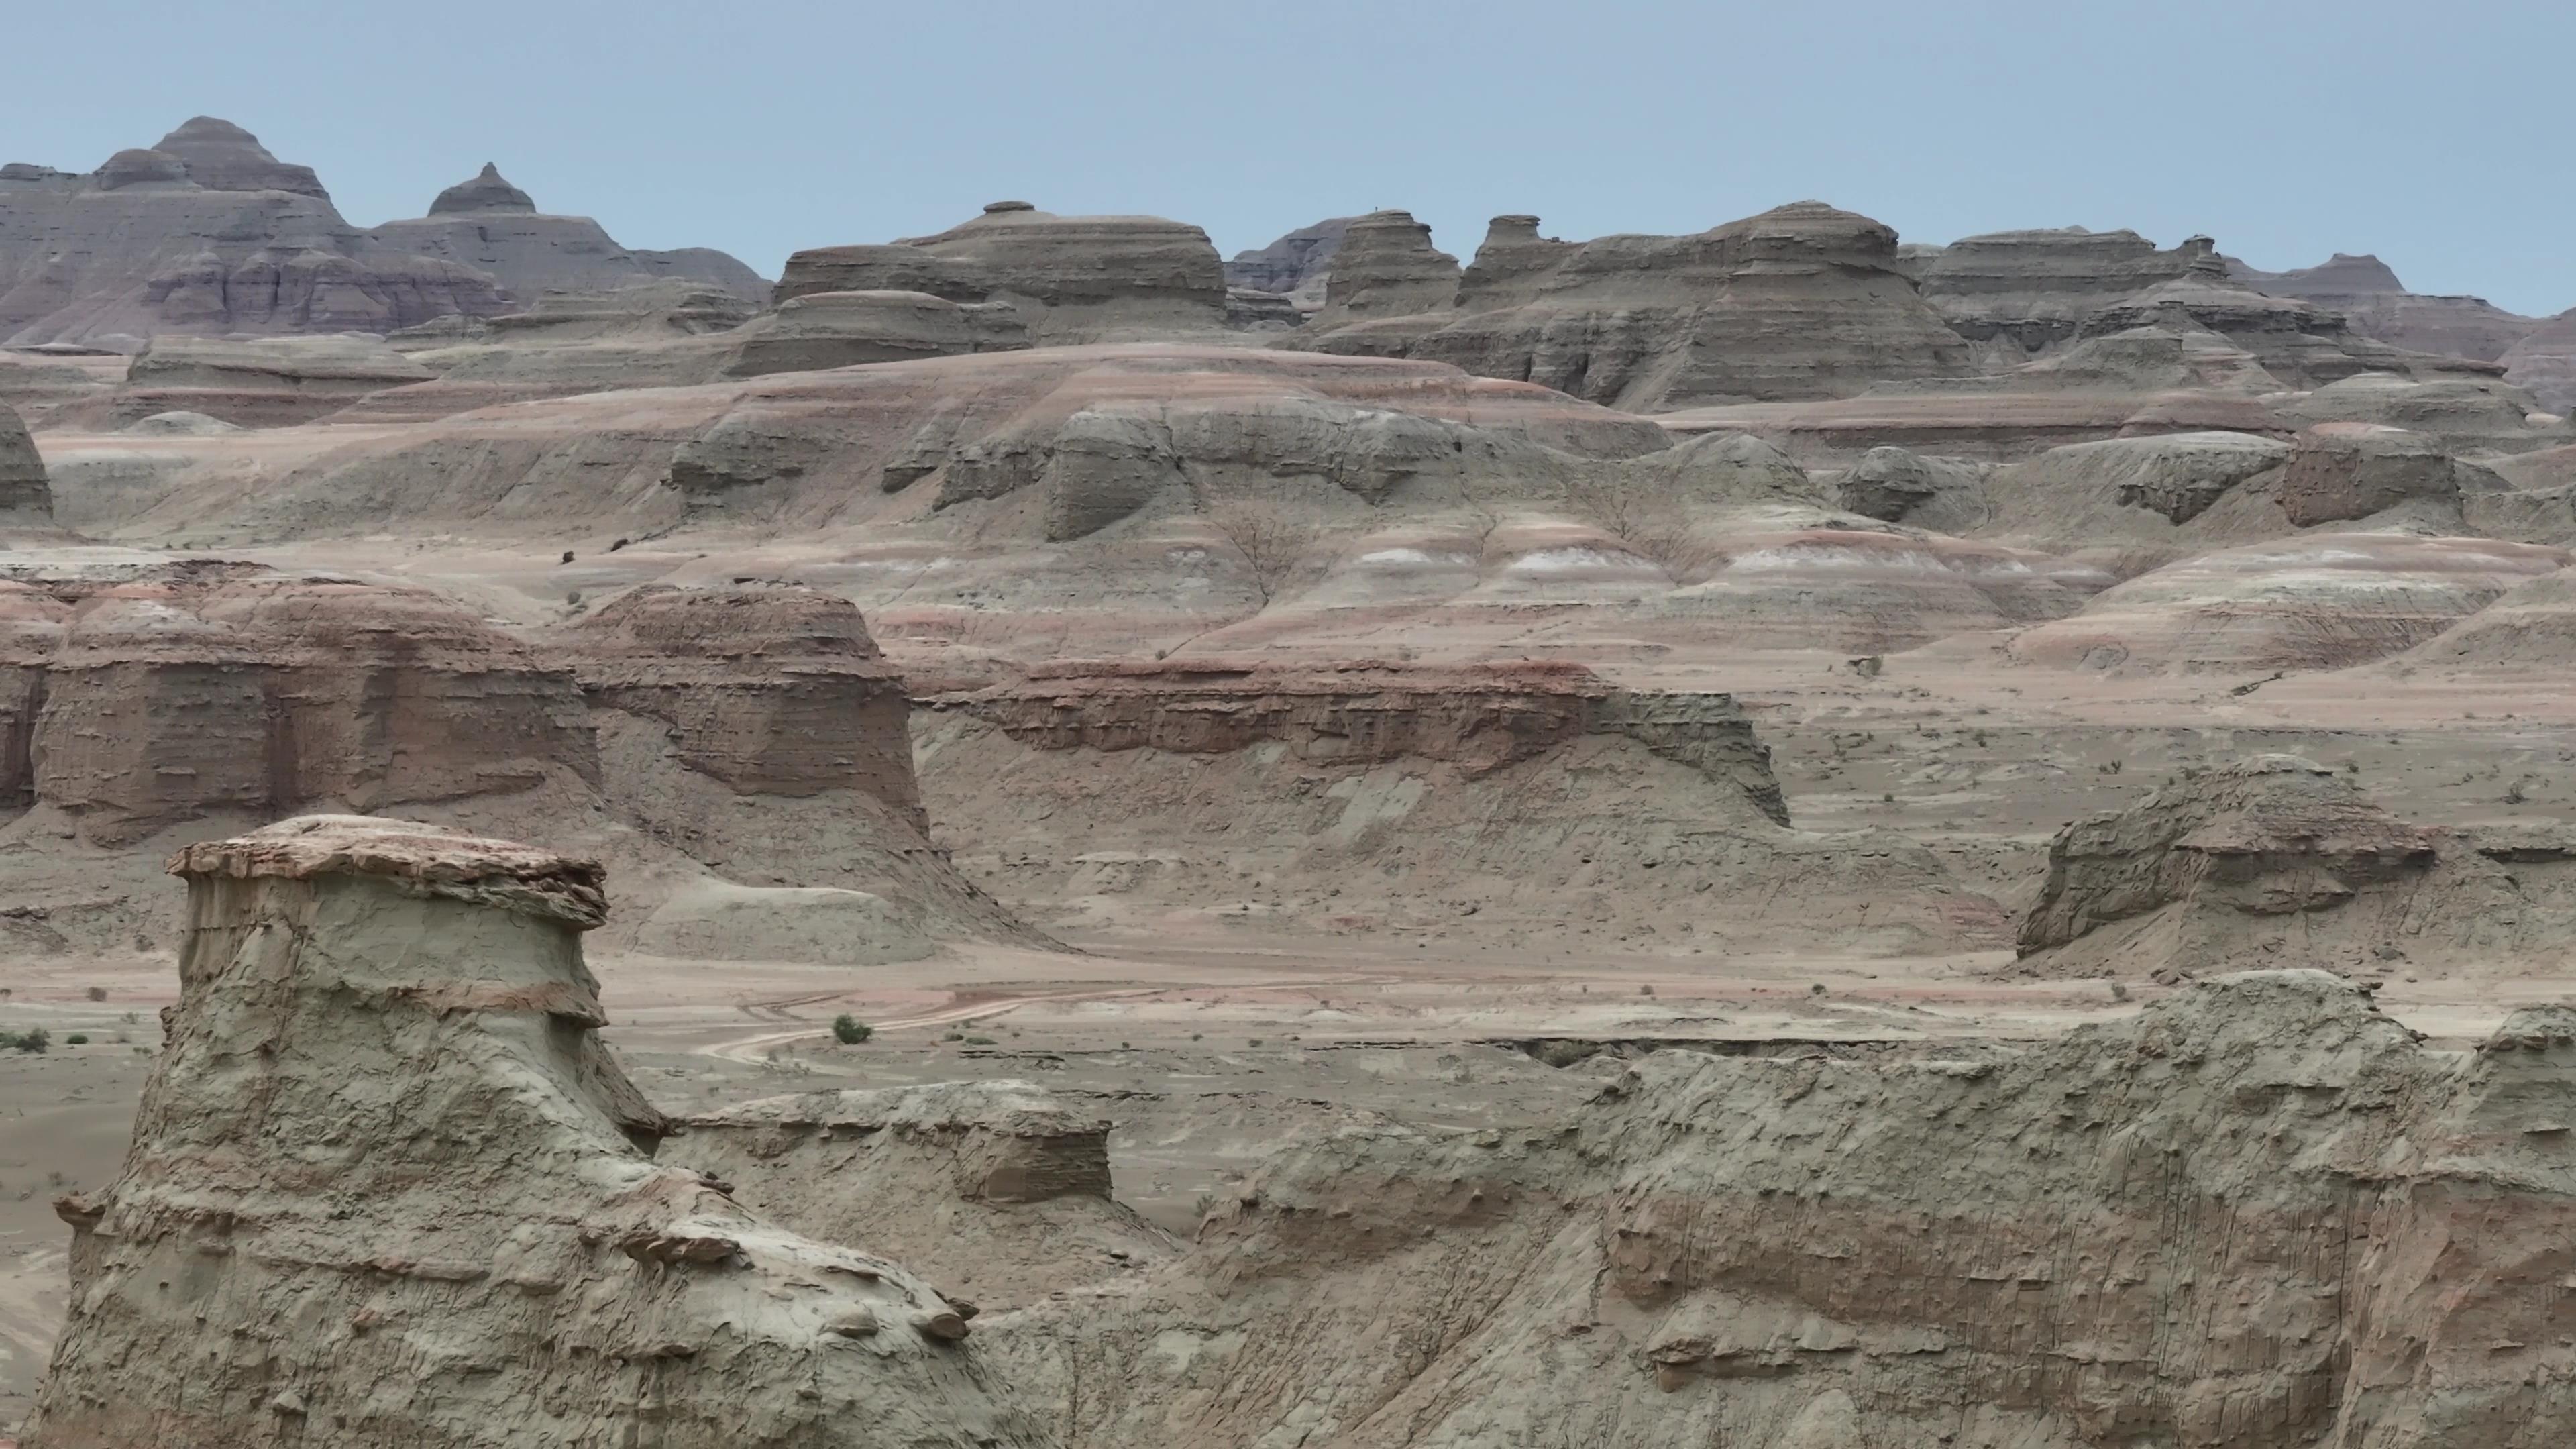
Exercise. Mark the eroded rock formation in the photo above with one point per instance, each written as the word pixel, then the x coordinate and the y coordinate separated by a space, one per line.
pixel 205 233
pixel 2281 861
pixel 1801 301
pixel 1796 1250
pixel 26 500
pixel 1296 265
pixel 994 1189
pixel 492 226
pixel 384 1142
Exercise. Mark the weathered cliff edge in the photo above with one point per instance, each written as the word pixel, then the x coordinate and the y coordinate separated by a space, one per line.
pixel 2257 1214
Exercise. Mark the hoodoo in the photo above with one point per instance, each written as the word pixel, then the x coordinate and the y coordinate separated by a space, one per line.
pixel 387 1188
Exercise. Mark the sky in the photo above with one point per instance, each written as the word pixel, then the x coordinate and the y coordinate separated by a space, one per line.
pixel 2435 135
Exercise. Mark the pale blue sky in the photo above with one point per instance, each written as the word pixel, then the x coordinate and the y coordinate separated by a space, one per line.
pixel 2437 135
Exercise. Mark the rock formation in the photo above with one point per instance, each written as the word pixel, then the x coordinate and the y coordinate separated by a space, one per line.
pixel 2210 486
pixel 205 233
pixel 2282 862
pixel 383 1119
pixel 1296 265
pixel 491 226
pixel 26 501
pixel 2033 289
pixel 775 691
pixel 1794 1250
pixel 209 690
pixel 2301 343
pixel 1386 267
pixel 995 1189
pixel 2365 290
pixel 264 383
pixel 2545 362
pixel 1076 278
pixel 1895 486
pixel 845 329
pixel 2321 600
pixel 1802 301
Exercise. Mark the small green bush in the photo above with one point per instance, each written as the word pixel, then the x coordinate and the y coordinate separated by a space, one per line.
pixel 77 1039
pixel 979 1041
pixel 848 1030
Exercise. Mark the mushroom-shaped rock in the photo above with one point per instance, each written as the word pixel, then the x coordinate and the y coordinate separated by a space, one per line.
pixel 385 1143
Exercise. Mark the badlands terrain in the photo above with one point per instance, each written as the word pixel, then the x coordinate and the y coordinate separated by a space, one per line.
pixel 1780 836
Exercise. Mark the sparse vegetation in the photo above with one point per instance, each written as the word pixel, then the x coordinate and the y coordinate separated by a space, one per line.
pixel 1273 542
pixel 34 1040
pixel 1649 520
pixel 848 1030
pixel 77 1039
pixel 96 993
pixel 978 1041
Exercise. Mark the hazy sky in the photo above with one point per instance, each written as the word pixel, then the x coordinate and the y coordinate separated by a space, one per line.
pixel 2435 134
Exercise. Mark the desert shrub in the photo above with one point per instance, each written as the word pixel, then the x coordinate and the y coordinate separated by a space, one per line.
pixel 848 1030
pixel 77 1039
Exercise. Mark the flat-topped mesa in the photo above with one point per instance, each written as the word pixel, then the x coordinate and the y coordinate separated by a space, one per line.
pixel 2034 288
pixel 998 1187
pixel 221 156
pixel 773 691
pixel 485 193
pixel 1802 301
pixel 1386 266
pixel 254 382
pixel 1485 717
pixel 383 1113
pixel 202 691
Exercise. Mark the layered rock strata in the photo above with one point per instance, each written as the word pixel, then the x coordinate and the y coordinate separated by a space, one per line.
pixel 493 227
pixel 193 692
pixel 26 499
pixel 208 233
pixel 383 1116
pixel 1802 301
pixel 998 1189
pixel 1075 278
pixel 1364 713
pixel 1795 1250
pixel 773 691
pixel 2280 861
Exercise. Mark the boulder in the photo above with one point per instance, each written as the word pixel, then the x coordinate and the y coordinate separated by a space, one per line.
pixel 383 1114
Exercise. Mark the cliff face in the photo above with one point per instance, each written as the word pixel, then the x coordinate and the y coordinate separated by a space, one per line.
pixel 383 1118
pixel 206 232
pixel 2366 1236
pixel 1803 301
pixel 997 1189
pixel 176 696
pixel 2034 288
pixel 771 691
pixel 2277 860
pixel 1366 713
pixel 1074 278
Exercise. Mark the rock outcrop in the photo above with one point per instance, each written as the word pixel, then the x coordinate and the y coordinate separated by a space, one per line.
pixel 1074 278
pixel 2033 289
pixel 1803 301
pixel 2367 292
pixel 1946 495
pixel 2320 600
pixel 774 691
pixel 1386 267
pixel 264 383
pixel 845 329
pixel 2545 362
pixel 493 227
pixel 1296 265
pixel 1792 1250
pixel 2278 861
pixel 2343 471
pixel 2303 344
pixel 383 1117
pixel 995 1189
pixel 26 499
pixel 205 233
pixel 211 690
